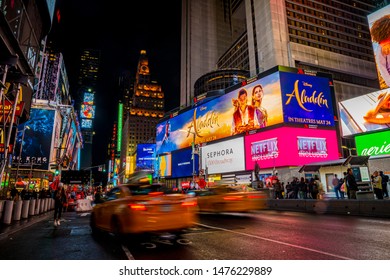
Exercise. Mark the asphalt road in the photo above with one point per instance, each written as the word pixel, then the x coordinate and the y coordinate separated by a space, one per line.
pixel 264 235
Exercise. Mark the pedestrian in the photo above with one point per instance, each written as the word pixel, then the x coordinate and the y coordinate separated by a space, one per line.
pixel 385 180
pixel 376 181
pixel 352 186
pixel 59 199
pixel 336 186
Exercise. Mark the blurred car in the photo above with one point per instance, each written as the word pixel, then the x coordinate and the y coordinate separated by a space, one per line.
pixel 230 199
pixel 142 207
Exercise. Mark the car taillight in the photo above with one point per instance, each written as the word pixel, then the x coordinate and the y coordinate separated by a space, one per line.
pixel 155 193
pixel 137 207
pixel 189 203
pixel 255 196
pixel 232 197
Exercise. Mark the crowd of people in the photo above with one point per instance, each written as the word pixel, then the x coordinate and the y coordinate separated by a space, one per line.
pixel 312 188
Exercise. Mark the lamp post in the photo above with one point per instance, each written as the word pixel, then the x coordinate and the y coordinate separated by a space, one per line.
pixel 26 127
pixel 193 152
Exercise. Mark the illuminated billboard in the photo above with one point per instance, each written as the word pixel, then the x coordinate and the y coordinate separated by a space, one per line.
pixel 87 111
pixel 88 98
pixel 373 144
pixel 365 113
pixel 163 166
pixel 37 140
pixel 287 146
pixel 276 98
pixel 224 156
pixel 145 156
pixel 182 163
pixel 86 123
pixel 379 24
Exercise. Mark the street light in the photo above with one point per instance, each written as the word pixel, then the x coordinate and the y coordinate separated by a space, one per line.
pixel 26 127
pixel 193 152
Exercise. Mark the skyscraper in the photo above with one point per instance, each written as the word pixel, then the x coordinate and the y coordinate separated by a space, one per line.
pixel 328 36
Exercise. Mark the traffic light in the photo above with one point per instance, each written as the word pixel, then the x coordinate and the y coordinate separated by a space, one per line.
pixel 56 172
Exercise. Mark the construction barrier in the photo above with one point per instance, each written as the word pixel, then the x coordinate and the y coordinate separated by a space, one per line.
pixel 83 205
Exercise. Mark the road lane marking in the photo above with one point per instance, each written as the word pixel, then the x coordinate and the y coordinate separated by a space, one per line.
pixel 275 241
pixel 127 252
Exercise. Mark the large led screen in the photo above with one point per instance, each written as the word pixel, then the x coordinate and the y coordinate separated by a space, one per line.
pixel 86 123
pixel 379 24
pixel 145 156
pixel 373 144
pixel 37 140
pixel 163 166
pixel 87 111
pixel 288 146
pixel 183 165
pixel 224 156
pixel 306 99
pixel 273 99
pixel 369 112
pixel 88 98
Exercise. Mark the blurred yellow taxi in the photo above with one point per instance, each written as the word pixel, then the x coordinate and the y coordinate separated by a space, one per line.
pixel 230 199
pixel 143 208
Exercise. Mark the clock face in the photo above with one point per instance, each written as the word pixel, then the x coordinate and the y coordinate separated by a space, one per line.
pixel 144 68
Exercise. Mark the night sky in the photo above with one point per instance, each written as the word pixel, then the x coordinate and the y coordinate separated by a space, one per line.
pixel 120 32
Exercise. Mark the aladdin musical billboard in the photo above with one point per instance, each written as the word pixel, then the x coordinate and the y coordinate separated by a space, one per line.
pixel 288 146
pixel 276 98
pixel 365 113
pixel 378 23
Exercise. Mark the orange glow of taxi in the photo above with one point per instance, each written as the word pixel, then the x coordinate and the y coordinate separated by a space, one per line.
pixel 143 208
pixel 230 199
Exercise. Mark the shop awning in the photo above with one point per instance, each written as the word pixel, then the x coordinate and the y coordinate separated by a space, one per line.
pixel 351 160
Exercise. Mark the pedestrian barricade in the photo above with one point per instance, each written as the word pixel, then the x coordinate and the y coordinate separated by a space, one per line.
pixel 25 208
pixel 38 206
pixel 2 203
pixel 31 210
pixel 83 205
pixel 17 212
pixel 8 209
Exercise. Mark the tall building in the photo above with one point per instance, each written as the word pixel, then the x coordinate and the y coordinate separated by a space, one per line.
pixel 146 108
pixel 87 85
pixel 328 36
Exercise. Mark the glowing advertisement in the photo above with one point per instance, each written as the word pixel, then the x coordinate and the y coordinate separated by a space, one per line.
pixel 378 23
pixel 220 118
pixel 163 166
pixel 365 113
pixel 37 140
pixel 306 99
pixel 224 156
pixel 86 123
pixel 374 144
pixel 87 111
pixel 287 146
pixel 145 156
pixel 274 99
pixel 182 163
pixel 88 98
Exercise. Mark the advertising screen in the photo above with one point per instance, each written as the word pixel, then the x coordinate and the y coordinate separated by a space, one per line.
pixel 306 99
pixel 365 113
pixel 37 140
pixel 288 146
pixel 182 163
pixel 220 118
pixel 373 144
pixel 87 111
pixel 145 156
pixel 88 98
pixel 270 100
pixel 163 166
pixel 379 23
pixel 86 123
pixel 224 156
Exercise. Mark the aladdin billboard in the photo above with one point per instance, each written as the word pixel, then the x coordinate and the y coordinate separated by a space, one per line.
pixel 287 146
pixel 224 156
pixel 275 98
pixel 373 144
pixel 365 113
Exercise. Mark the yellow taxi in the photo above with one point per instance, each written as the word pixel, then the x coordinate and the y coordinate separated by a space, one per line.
pixel 230 199
pixel 143 208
